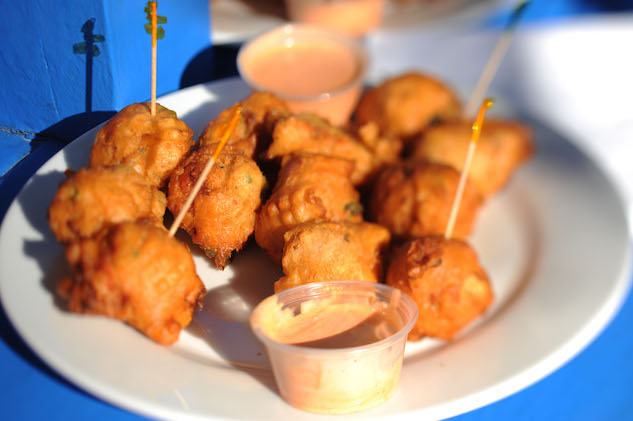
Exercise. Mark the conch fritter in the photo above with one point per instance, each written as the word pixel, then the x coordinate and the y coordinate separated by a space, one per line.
pixel 385 148
pixel 259 112
pixel 96 198
pixel 323 251
pixel 502 146
pixel 309 133
pixel 137 273
pixel 150 145
pixel 446 282
pixel 310 187
pixel 405 105
pixel 222 216
pixel 414 199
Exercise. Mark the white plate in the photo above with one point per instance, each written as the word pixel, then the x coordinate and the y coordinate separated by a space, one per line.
pixel 234 21
pixel 555 244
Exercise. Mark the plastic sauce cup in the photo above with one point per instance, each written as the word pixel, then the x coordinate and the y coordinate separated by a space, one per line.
pixel 312 69
pixel 336 346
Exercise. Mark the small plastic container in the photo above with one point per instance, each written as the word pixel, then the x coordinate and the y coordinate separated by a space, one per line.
pixel 336 346
pixel 313 69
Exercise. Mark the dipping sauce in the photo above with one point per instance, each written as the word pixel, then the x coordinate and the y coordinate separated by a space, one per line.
pixel 336 346
pixel 331 325
pixel 305 68
pixel 312 69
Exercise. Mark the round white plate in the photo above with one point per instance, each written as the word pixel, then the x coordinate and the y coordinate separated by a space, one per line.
pixel 555 244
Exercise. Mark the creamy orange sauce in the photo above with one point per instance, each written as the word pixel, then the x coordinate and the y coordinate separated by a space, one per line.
pixel 311 69
pixel 332 366
pixel 303 68
pixel 335 326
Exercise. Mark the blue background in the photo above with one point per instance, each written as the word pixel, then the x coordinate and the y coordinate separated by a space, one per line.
pixel 43 106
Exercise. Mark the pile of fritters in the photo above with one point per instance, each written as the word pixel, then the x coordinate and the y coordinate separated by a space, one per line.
pixel 110 218
pixel 404 152
pixel 413 198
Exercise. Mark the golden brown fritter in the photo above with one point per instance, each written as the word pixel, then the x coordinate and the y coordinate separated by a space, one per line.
pixel 310 133
pixel 413 199
pixel 222 215
pixel 96 198
pixel 446 282
pixel 259 112
pixel 404 105
pixel 502 146
pixel 385 148
pixel 152 146
pixel 137 273
pixel 324 251
pixel 310 187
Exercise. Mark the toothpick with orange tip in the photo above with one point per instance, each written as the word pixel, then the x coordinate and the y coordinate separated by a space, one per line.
pixel 205 172
pixel 495 59
pixel 477 126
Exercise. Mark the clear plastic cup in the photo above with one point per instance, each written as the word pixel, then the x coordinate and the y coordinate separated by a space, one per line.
pixel 336 346
pixel 313 69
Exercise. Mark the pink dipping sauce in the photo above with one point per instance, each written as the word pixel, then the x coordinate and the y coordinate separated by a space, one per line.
pixel 313 70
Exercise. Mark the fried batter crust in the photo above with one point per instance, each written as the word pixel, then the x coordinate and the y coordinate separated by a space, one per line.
pixel 502 146
pixel 323 251
pixel 446 282
pixel 151 145
pixel 310 187
pixel 136 273
pixel 222 215
pixel 404 105
pixel 259 112
pixel 414 199
pixel 309 133
pixel 96 198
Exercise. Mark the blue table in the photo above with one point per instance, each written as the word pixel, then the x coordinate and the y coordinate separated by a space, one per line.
pixel 596 384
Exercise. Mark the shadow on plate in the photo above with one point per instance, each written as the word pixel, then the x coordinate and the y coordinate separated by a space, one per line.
pixel 224 321
pixel 46 251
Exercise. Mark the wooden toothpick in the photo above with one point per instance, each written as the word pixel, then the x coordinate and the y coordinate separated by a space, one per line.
pixel 205 172
pixel 495 60
pixel 457 200
pixel 154 37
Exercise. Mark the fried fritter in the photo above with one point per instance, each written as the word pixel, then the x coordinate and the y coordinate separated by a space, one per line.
pixel 96 198
pixel 310 187
pixel 259 112
pixel 310 133
pixel 446 282
pixel 414 199
pixel 323 251
pixel 404 105
pixel 502 146
pixel 152 146
pixel 137 273
pixel 385 148
pixel 222 215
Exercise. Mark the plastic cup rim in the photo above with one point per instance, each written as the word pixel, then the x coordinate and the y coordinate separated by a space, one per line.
pixel 329 34
pixel 336 352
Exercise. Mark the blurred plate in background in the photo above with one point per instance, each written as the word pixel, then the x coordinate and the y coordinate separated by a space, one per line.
pixel 233 21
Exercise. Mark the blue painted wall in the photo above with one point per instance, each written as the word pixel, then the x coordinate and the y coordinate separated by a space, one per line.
pixel 50 90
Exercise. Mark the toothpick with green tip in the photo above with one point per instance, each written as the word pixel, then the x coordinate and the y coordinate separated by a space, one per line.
pixel 157 33
pixel 495 60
